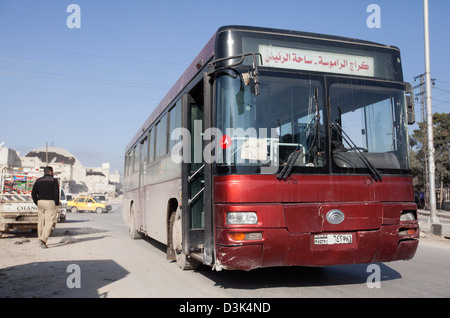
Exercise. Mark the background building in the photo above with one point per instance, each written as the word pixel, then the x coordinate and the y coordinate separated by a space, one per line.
pixel 74 178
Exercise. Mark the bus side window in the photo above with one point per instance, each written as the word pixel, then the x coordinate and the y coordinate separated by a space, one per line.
pixel 151 146
pixel 130 162
pixel 175 121
pixel 144 153
pixel 136 159
pixel 161 140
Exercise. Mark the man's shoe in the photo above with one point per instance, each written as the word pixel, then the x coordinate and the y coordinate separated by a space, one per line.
pixel 42 244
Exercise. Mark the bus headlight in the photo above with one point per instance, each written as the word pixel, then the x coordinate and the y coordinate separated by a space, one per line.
pixel 408 216
pixel 237 218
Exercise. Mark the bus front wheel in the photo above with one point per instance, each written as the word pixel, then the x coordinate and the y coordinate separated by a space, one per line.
pixel 183 261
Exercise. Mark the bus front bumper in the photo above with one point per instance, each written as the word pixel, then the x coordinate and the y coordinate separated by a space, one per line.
pixel 278 247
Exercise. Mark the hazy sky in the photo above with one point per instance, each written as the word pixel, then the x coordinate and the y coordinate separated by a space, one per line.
pixel 89 89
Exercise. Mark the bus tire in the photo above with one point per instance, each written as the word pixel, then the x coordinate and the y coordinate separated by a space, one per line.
pixel 134 234
pixel 183 261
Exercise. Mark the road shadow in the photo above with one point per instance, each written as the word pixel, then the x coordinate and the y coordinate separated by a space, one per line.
pixel 58 280
pixel 72 221
pixel 160 246
pixel 293 276
pixel 60 236
pixel 71 240
pixel 297 276
pixel 33 233
pixel 74 231
pixel 63 236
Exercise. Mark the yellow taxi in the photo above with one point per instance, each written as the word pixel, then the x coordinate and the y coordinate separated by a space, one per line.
pixel 86 203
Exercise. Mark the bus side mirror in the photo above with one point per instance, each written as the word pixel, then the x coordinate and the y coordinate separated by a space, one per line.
pixel 409 94
pixel 251 79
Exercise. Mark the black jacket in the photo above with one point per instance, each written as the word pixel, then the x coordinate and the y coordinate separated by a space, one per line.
pixel 46 188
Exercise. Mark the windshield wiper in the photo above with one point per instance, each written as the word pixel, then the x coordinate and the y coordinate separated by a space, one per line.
pixel 376 175
pixel 292 158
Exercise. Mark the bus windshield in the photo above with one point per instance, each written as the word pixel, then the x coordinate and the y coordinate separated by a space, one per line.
pixel 265 130
pixel 373 117
pixel 288 118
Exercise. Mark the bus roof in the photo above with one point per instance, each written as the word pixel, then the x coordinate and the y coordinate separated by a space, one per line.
pixel 208 52
pixel 302 34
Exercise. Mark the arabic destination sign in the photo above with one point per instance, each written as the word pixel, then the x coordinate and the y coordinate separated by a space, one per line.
pixel 317 61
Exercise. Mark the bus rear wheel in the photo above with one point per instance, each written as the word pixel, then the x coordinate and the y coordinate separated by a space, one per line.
pixel 183 261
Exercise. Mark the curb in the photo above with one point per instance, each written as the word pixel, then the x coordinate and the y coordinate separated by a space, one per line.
pixel 438 229
pixel 440 213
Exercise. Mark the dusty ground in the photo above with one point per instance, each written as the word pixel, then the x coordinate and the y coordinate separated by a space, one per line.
pixel 111 264
pixel 27 270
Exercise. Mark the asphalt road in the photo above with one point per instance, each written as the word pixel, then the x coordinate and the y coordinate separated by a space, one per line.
pixel 91 255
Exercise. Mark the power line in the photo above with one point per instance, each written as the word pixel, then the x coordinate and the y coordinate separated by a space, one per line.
pixel 76 92
pixel 441 102
pixel 30 61
pixel 91 55
pixel 9 59
pixel 444 82
pixel 440 89
pixel 55 76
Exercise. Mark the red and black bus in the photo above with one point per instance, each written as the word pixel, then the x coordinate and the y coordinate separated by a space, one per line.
pixel 278 148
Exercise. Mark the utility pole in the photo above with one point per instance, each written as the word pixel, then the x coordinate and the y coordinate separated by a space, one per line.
pixel 46 154
pixel 421 85
pixel 431 166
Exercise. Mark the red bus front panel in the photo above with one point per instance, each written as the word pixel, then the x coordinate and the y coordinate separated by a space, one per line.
pixel 298 233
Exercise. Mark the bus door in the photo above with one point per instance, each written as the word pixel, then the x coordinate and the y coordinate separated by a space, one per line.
pixel 193 183
pixel 197 193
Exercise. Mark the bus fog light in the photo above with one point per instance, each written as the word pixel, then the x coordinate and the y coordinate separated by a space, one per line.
pixel 407 231
pixel 236 218
pixel 239 236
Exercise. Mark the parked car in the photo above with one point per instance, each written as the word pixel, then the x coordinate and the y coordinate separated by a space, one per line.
pixel 99 197
pixel 87 203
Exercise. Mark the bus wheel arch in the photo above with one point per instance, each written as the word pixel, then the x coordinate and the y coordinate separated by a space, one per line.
pixel 172 207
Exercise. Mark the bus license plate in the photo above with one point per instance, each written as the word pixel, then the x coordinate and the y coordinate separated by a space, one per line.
pixel 329 239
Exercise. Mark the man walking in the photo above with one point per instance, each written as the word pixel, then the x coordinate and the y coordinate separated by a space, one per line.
pixel 45 195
